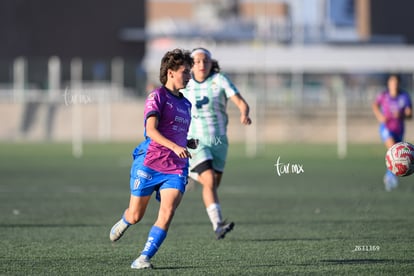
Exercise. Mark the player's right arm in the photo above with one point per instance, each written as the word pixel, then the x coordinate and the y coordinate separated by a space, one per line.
pixel 376 108
pixel 408 112
pixel 152 132
pixel 243 107
pixel 377 112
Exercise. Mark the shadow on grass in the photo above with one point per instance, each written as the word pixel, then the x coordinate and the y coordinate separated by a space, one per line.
pixel 179 267
pixel 209 266
pixel 282 239
pixel 366 261
pixel 318 220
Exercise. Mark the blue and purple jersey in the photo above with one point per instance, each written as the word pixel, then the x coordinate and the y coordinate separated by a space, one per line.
pixel 174 116
pixel 393 109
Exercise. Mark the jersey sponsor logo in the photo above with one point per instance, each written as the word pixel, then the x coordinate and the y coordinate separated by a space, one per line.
pixel 179 129
pixel 203 101
pixel 144 174
pixel 181 120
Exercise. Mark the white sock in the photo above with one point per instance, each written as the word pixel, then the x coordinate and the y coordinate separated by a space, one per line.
pixel 214 213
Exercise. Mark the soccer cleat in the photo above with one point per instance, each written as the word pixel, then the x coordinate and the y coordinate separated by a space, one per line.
pixel 142 262
pixel 118 230
pixel 223 228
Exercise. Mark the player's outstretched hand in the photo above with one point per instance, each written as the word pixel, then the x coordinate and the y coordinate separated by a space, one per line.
pixel 245 120
pixel 182 152
pixel 192 143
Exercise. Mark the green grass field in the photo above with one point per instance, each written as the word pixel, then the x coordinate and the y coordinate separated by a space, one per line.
pixel 332 218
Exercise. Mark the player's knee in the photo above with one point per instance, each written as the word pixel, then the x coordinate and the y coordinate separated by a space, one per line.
pixel 208 182
pixel 207 177
pixel 209 186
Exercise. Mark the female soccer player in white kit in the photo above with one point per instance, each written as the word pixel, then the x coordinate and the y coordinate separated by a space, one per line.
pixel 209 91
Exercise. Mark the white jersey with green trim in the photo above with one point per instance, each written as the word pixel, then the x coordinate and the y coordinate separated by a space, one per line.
pixel 209 103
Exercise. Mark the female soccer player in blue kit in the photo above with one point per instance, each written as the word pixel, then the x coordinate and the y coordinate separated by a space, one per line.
pixel 208 91
pixel 391 108
pixel 161 161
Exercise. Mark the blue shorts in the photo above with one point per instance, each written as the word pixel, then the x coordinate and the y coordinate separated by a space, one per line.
pixel 144 180
pixel 386 134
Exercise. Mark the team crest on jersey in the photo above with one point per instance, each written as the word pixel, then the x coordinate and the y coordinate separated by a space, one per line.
pixel 401 102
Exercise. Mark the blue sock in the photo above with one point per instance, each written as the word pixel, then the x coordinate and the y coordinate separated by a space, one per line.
pixel 155 238
pixel 126 222
pixel 390 174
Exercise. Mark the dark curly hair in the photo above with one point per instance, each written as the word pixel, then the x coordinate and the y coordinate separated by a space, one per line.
pixel 173 60
pixel 215 67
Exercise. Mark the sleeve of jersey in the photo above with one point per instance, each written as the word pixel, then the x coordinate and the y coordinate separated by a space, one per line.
pixel 229 88
pixel 409 102
pixel 378 99
pixel 152 105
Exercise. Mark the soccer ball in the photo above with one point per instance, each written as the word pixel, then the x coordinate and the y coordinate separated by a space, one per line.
pixel 399 159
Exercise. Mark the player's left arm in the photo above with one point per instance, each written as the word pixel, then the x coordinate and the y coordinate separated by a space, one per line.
pixel 243 107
